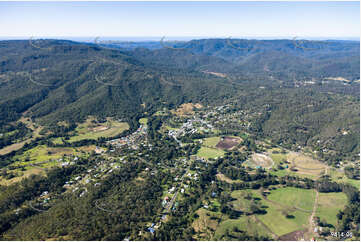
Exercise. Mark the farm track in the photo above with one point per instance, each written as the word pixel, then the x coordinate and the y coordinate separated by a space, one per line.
pixel 311 225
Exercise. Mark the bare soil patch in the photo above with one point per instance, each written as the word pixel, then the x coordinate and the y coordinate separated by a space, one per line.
pixel 228 142
pixel 293 236
pixel 215 73
pixel 186 108
pixel 262 160
pixel 99 128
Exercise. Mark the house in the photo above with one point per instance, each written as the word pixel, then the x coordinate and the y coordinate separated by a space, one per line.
pixel 99 150
pixel 44 194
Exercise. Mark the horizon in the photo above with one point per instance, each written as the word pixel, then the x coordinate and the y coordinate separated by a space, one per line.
pixel 181 19
pixel 177 38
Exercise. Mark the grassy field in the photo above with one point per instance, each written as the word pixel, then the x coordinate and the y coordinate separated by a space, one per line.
pixel 329 204
pixel 57 141
pixel 88 130
pixel 16 146
pixel 211 141
pixel 340 177
pixel 278 158
pixel 244 200
pixel 244 223
pixel 206 223
pixel 290 196
pixel 209 150
pixel 306 165
pixel 143 121
pixel 207 153
pixel 282 202
pixel 21 175
pixel 43 153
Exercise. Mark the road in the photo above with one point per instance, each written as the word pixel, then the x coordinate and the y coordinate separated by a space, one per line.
pixel 170 204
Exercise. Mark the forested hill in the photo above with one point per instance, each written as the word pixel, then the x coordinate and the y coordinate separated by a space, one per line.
pixel 64 80
pixel 278 58
pixel 302 95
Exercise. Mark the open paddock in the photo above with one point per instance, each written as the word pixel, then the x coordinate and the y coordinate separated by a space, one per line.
pixel 93 130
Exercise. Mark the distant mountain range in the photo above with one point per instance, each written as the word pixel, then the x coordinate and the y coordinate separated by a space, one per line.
pixel 55 80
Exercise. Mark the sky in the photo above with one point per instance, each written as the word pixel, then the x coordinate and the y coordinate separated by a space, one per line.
pixel 171 19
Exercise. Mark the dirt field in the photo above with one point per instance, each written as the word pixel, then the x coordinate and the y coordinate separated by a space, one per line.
pixel 293 236
pixel 215 73
pixel 261 160
pixel 228 142
pixel 99 128
pixel 186 108
pixel 222 177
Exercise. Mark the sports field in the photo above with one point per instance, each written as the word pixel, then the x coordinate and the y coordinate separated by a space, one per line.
pixel 211 141
pixel 207 153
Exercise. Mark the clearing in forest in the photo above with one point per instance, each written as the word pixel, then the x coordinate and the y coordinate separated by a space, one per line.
pixel 186 108
pixel 91 129
pixel 228 142
pixel 260 161
pixel 35 134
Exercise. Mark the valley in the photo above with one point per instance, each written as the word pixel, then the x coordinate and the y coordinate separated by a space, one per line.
pixel 147 145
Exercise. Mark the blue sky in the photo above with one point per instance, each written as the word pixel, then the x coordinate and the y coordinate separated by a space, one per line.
pixel 203 19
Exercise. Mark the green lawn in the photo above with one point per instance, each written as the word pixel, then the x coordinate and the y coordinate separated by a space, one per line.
pixel 211 141
pixel 291 196
pixel 329 204
pixel 207 153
